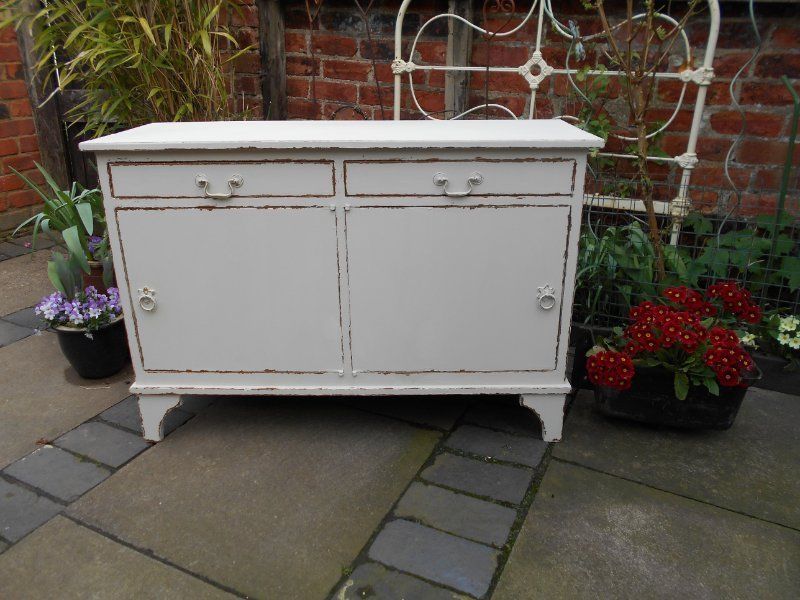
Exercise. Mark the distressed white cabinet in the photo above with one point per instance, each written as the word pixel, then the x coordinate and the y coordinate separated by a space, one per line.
pixel 346 258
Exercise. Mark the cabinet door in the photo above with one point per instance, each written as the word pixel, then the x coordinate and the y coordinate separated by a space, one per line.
pixel 236 289
pixel 456 288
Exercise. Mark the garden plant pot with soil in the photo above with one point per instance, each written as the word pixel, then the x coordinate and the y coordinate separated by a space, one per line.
pixel 95 277
pixel 651 399
pixel 97 354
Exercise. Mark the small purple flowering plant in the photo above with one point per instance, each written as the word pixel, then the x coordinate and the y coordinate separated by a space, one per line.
pixel 87 310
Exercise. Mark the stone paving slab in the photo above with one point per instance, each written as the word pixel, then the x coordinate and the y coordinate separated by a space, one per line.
pixel 751 468
pixel 126 414
pixel 43 241
pixel 10 333
pixel 498 445
pixel 25 317
pixel 375 581
pixel 58 473
pixel 65 560
pixel 437 556
pixel 456 513
pixel 440 412
pixel 3 547
pixel 505 415
pixel 500 482
pixel 24 281
pixel 22 511
pixel 270 497
pixel 101 442
pixel 42 396
pixel 13 250
pixel 591 535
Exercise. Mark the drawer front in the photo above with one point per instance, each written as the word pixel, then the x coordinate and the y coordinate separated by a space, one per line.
pixel 477 177
pixel 240 179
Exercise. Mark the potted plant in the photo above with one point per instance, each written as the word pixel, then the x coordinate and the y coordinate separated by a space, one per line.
pixel 90 330
pixel 77 214
pixel 680 362
pixel 779 356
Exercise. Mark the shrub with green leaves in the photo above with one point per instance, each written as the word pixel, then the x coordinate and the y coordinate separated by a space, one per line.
pixel 137 61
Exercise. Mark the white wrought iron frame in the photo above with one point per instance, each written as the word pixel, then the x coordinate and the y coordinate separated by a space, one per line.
pixel 536 70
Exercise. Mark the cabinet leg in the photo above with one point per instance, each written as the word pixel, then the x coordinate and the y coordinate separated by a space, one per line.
pixel 549 408
pixel 153 408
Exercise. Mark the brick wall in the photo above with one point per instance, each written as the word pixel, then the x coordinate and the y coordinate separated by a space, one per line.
pixel 19 147
pixel 329 65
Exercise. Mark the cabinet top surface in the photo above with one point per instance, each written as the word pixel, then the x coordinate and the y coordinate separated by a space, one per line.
pixel 233 135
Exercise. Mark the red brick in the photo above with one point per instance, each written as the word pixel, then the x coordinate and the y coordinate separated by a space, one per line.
pixel 786 37
pixel 430 101
pixel 497 55
pixel 682 122
pixel 28 143
pixel 346 69
pixel 300 108
pixel 301 65
pixel 768 179
pixel 13 89
pixel 334 45
pixel 757 204
pixel 10 182
pixel 776 65
pixel 249 62
pixel 7 35
pixel 431 53
pixel 714 176
pixel 368 95
pixel 760 152
pixel 297 87
pixel 766 93
pixel 248 84
pixel 9 53
pixel 245 16
pixel 23 162
pixel 338 92
pixel 297 42
pixel 22 198
pixel 727 65
pixel 758 124
pixel 8 146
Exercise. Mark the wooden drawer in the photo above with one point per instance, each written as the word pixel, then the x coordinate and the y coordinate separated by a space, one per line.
pixel 259 178
pixel 478 177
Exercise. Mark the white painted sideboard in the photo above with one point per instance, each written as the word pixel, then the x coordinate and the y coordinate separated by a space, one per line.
pixel 346 258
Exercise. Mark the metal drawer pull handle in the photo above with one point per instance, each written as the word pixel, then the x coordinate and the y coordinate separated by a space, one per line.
pixel 440 179
pixel 547 297
pixel 234 182
pixel 147 299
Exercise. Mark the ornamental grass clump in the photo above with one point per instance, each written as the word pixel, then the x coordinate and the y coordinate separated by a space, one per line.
pixel 696 336
pixel 88 310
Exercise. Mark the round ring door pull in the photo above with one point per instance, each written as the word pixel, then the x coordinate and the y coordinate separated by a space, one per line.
pixel 546 297
pixel 236 181
pixel 441 180
pixel 147 300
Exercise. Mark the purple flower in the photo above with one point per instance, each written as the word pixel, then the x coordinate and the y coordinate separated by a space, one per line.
pixel 88 309
pixel 94 242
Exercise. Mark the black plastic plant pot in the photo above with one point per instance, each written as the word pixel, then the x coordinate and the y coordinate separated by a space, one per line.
pixel 776 377
pixel 102 355
pixel 651 399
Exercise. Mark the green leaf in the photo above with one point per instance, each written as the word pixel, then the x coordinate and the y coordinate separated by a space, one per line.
pixel 74 245
pixel 146 28
pixel 52 275
pixel 87 216
pixel 681 385
pixel 790 270
pixel 711 385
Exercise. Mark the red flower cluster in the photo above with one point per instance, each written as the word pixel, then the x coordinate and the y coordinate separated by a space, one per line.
pixel 736 300
pixel 726 357
pixel 656 326
pixel 690 300
pixel 610 369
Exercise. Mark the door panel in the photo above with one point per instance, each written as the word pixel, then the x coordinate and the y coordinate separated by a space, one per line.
pixel 454 289
pixel 236 289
